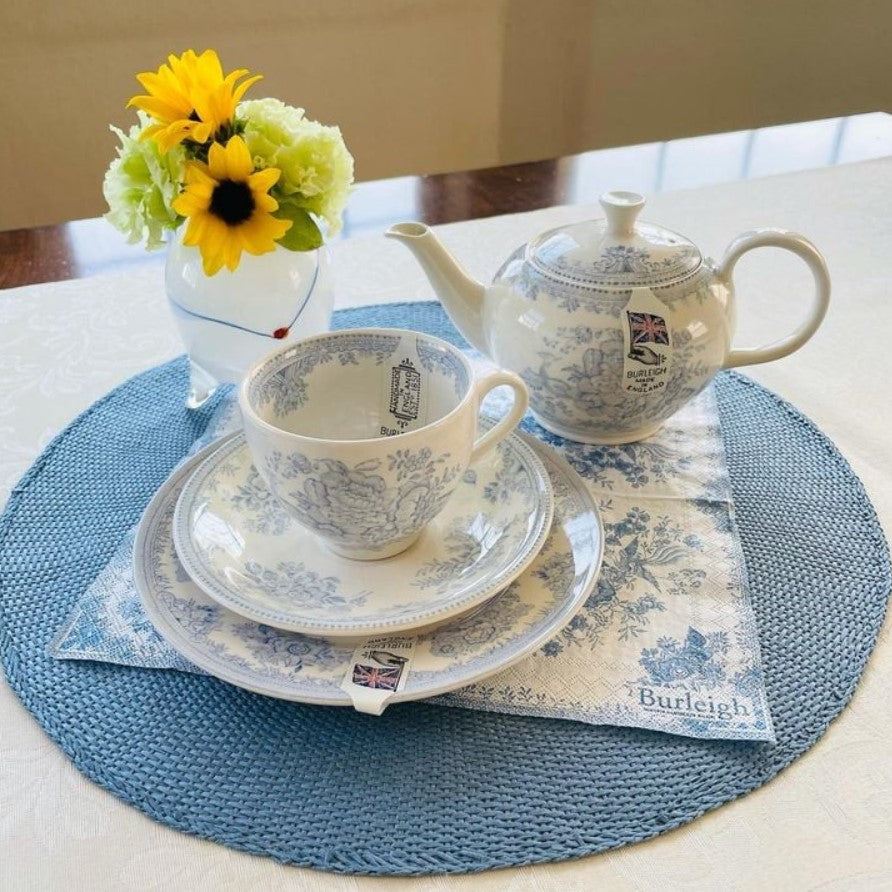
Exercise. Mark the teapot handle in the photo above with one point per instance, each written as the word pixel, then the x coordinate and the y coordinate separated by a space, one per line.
pixel 802 247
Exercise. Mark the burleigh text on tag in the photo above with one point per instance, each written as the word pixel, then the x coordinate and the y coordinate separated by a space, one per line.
pixel 378 670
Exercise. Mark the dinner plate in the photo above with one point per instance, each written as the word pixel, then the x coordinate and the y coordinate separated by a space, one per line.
pixel 246 551
pixel 292 666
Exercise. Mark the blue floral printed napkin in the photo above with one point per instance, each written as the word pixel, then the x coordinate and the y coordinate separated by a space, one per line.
pixel 108 623
pixel 666 641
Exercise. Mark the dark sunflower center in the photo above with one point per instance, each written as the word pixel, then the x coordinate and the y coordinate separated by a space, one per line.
pixel 194 116
pixel 232 202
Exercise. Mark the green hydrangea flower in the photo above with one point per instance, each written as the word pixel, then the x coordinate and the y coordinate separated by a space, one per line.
pixel 317 169
pixel 140 185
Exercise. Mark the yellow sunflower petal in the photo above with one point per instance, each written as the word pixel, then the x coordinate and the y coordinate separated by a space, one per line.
pixel 265 203
pixel 158 108
pixel 239 164
pixel 263 180
pixel 202 188
pixel 191 86
pixel 282 226
pixel 183 67
pixel 233 76
pixel 233 252
pixel 209 66
pixel 208 108
pixel 198 172
pixel 179 205
pixel 187 204
pixel 217 161
pixel 211 230
pixel 194 231
pixel 257 237
pixel 164 89
pixel 211 255
pixel 172 135
pixel 167 138
pixel 266 229
pixel 151 130
pixel 202 131
pixel 215 236
pixel 217 243
pixel 240 90
pixel 253 242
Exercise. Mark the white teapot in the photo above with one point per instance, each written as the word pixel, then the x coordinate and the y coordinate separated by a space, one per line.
pixel 613 324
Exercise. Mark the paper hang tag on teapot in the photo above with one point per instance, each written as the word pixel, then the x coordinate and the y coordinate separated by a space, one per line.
pixel 378 669
pixel 647 338
pixel 404 391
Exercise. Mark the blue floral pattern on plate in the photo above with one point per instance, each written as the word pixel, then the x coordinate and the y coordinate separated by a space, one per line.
pixel 310 669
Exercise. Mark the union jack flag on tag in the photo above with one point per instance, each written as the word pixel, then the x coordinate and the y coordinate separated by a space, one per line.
pixel 648 328
pixel 386 678
pixel 647 339
pixel 378 670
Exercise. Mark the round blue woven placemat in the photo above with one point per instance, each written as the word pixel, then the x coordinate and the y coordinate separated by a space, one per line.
pixel 424 789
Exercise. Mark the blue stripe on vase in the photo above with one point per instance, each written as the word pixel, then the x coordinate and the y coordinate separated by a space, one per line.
pixel 254 331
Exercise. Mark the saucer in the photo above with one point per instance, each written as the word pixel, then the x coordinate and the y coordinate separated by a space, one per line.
pixel 245 550
pixel 291 666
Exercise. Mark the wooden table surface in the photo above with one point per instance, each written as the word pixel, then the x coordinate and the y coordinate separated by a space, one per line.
pixel 87 247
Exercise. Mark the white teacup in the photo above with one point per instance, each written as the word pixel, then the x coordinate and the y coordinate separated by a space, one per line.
pixel 363 434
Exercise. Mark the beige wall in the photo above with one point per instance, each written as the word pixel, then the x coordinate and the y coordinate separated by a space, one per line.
pixel 619 72
pixel 431 85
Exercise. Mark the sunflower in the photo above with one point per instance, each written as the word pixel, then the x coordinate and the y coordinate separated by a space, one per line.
pixel 189 98
pixel 229 207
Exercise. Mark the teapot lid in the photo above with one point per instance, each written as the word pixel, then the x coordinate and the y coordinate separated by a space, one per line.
pixel 615 252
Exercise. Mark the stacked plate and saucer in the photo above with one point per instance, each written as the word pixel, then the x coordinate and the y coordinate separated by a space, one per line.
pixel 367 539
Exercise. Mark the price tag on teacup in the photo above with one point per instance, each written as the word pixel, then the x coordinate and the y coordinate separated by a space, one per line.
pixel 647 340
pixel 378 670
pixel 404 392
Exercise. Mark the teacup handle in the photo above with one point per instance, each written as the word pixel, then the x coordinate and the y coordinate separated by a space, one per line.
pixel 802 247
pixel 509 421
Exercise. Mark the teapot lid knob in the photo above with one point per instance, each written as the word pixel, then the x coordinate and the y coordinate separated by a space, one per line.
pixel 621 209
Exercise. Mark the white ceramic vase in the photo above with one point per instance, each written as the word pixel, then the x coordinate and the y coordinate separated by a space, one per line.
pixel 230 320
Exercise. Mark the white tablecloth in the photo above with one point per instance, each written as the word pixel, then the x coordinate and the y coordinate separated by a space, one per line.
pixel 826 822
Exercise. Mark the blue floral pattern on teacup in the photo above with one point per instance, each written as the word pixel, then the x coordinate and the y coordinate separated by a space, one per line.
pixel 262 511
pixel 283 386
pixel 437 360
pixel 371 503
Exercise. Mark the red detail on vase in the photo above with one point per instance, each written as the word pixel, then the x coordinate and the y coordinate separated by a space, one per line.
pixel 280 333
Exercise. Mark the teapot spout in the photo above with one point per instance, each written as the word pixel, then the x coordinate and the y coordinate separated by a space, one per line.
pixel 461 296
